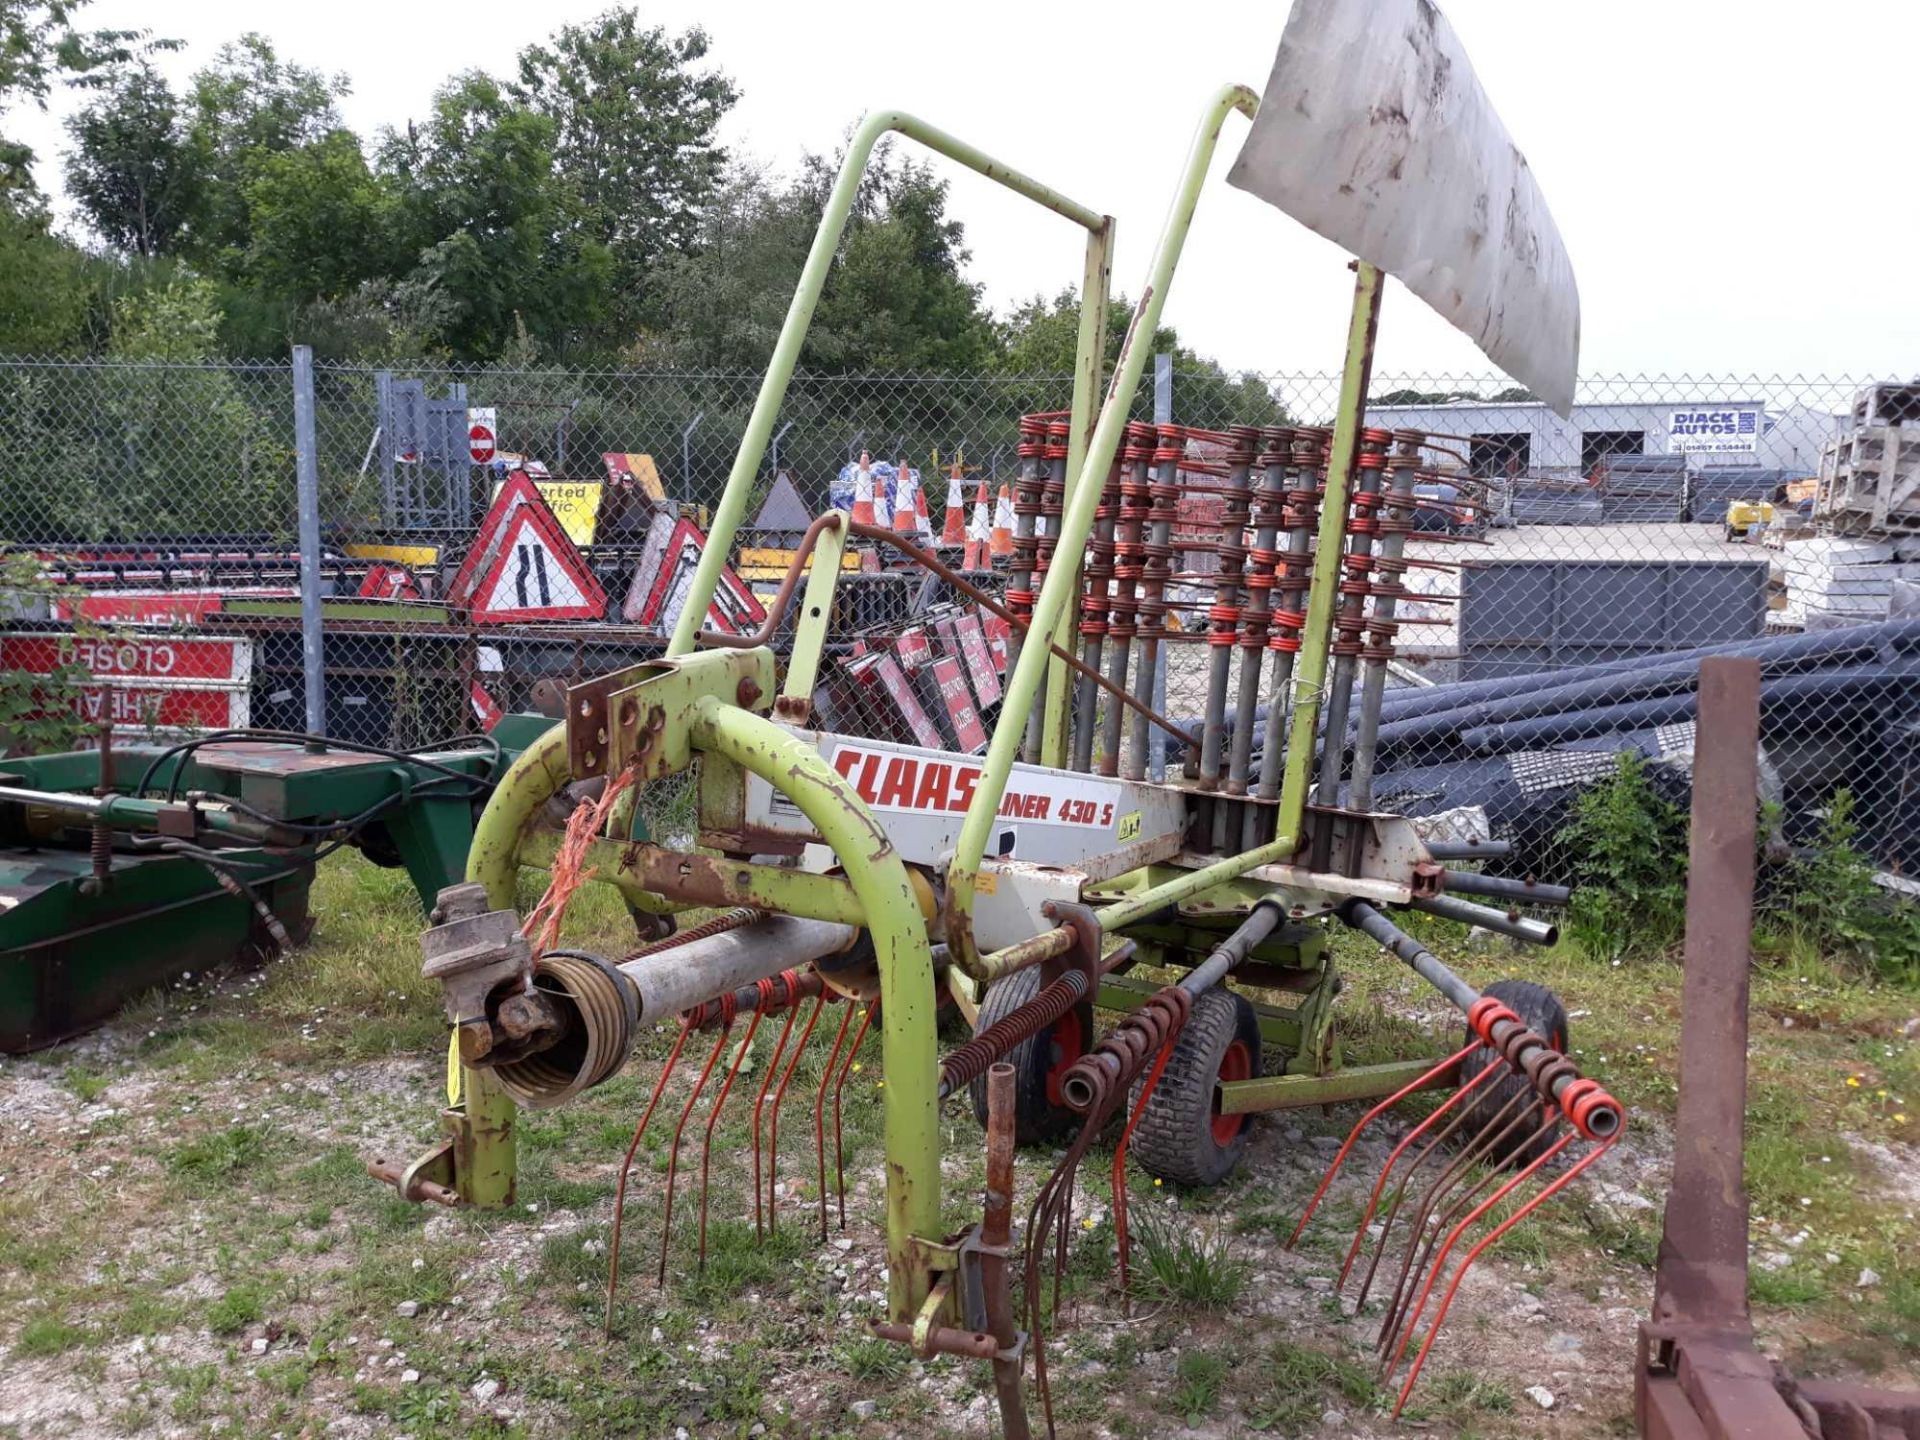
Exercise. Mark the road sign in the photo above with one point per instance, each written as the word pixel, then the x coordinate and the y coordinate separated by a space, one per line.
pixel 144 683
pixel 517 491
pixel 536 574
pixel 482 434
pixel 575 503
pixel 390 582
pixel 171 608
pixel 734 610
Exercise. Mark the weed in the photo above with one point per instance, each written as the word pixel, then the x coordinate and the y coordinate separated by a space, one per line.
pixel 218 1155
pixel 1627 844
pixel 1297 1381
pixel 240 1307
pixel 86 1085
pixel 50 1335
pixel 1198 1378
pixel 1785 1287
pixel 867 1357
pixel 1826 903
pixel 1190 1267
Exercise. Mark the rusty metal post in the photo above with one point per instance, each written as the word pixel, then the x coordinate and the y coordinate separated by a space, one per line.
pixel 996 1243
pixel 1703 1252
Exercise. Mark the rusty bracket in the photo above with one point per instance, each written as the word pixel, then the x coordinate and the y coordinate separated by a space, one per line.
pixel 642 716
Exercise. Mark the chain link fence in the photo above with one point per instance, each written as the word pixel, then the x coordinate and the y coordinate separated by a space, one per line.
pixel 1567 571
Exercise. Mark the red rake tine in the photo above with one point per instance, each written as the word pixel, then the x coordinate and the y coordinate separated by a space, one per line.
pixel 1119 1176
pixel 1439 1261
pixel 1465 1157
pixel 1367 1119
pixel 1474 1254
pixel 779 1095
pixel 839 1089
pixel 1423 1237
pixel 626 1168
pixel 673 1153
pixel 820 1113
pixel 788 979
pixel 1380 1185
pixel 719 1104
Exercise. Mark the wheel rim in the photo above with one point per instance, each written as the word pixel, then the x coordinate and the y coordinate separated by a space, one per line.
pixel 1236 1064
pixel 1066 1042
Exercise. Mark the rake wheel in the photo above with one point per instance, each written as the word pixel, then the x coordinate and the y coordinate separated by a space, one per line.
pixel 1039 1063
pixel 1183 1138
pixel 1542 1011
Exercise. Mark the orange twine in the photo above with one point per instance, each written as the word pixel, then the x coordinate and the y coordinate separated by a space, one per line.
pixel 569 872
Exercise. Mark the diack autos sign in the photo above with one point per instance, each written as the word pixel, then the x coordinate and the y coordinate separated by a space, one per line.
pixel 1713 429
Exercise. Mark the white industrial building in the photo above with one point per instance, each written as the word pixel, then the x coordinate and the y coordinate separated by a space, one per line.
pixel 1516 438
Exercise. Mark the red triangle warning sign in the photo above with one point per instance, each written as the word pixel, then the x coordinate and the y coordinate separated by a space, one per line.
pixel 518 491
pixel 537 573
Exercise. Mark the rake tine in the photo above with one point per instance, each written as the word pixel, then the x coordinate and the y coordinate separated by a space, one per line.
pixel 1367 1119
pixel 780 1094
pixel 1373 1200
pixel 820 1113
pixel 673 1152
pixel 1439 1186
pixel 1119 1177
pixel 626 1168
pixel 1439 1261
pixel 839 1089
pixel 1426 1230
pixel 788 980
pixel 1548 1192
pixel 719 1104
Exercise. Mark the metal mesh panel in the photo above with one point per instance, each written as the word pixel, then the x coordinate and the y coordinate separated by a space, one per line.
pixel 1670 513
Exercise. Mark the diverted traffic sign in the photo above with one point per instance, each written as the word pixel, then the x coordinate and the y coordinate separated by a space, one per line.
pixel 483 434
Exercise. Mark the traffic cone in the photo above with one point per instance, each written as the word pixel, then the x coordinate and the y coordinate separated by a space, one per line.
pixel 905 521
pixel 922 522
pixel 863 496
pixel 882 503
pixel 979 532
pixel 1002 543
pixel 953 525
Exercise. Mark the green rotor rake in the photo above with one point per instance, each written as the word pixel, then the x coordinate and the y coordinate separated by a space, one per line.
pixel 864 879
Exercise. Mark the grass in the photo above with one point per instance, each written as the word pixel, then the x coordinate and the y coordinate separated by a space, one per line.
pixel 1188 1267
pixel 238 1206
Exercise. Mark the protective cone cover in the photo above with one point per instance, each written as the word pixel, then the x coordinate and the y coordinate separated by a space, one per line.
pixel 1375 132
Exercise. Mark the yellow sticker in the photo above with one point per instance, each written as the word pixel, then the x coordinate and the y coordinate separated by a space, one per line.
pixel 1130 826
pixel 986 883
pixel 455 1074
pixel 575 504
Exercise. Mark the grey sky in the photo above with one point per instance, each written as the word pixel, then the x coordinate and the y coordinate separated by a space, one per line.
pixel 1726 174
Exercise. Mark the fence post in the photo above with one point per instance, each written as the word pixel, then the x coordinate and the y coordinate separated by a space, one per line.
pixel 1156 737
pixel 306 455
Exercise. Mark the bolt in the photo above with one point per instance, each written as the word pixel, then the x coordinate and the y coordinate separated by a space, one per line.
pixel 747 692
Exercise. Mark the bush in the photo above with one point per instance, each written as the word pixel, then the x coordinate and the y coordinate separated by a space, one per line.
pixel 1628 848
pixel 1824 900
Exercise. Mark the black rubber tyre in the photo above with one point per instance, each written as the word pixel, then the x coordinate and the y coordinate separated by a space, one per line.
pixel 1182 1137
pixel 1541 1009
pixel 1039 1063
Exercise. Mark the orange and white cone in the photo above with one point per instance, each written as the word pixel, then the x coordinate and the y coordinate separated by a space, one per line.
pixel 953 525
pixel 979 532
pixel 863 496
pixel 1002 543
pixel 922 522
pixel 905 500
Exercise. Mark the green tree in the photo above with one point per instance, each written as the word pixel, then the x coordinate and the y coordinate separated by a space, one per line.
pixel 635 118
pixel 1042 337
pixel 39 46
pixel 323 222
pixel 491 223
pixel 131 171
pixel 46 287
pixel 248 106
